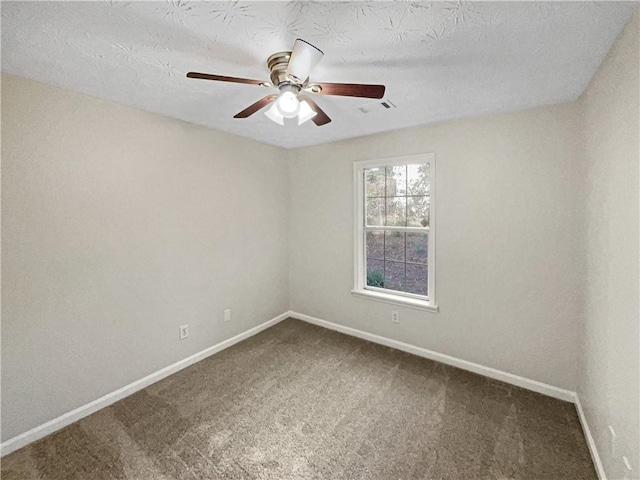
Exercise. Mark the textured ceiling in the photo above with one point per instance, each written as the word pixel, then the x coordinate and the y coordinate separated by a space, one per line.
pixel 439 61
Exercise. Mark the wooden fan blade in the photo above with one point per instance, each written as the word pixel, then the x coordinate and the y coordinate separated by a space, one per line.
pixel 253 108
pixel 220 78
pixel 348 89
pixel 320 118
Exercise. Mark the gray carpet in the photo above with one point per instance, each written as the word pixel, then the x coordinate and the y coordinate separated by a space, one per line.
pixel 301 402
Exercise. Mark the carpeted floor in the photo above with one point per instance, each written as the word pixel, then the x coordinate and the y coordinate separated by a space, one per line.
pixel 301 402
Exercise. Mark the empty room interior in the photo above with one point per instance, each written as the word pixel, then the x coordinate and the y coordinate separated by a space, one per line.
pixel 320 240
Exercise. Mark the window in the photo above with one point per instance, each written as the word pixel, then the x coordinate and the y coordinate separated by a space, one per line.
pixel 395 230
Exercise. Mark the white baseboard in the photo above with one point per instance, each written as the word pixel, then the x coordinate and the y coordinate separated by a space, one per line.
pixel 68 418
pixel 534 385
pixel 593 450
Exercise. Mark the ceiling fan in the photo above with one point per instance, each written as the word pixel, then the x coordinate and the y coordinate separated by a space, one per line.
pixel 290 74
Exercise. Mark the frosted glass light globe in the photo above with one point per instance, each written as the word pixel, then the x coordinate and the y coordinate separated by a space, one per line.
pixel 288 105
pixel 306 112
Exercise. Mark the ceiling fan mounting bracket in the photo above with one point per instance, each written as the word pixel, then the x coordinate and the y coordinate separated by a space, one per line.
pixel 313 88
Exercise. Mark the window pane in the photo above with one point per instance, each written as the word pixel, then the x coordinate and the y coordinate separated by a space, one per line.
pixel 375 273
pixel 374 182
pixel 418 179
pixel 418 211
pixel 396 181
pixel 394 275
pixel 417 247
pixel 417 279
pixel 375 211
pixel 375 245
pixel 396 211
pixel 395 197
pixel 394 246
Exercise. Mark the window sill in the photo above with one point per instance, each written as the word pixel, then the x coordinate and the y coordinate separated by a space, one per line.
pixel 396 300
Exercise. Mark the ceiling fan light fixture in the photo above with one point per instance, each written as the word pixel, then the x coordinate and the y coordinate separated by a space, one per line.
pixel 274 114
pixel 306 112
pixel 290 74
pixel 288 104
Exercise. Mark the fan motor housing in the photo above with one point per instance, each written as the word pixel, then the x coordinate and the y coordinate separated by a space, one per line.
pixel 277 65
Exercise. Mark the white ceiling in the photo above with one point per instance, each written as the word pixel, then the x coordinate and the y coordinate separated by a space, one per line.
pixel 439 61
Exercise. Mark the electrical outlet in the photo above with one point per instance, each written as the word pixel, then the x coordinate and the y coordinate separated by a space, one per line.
pixel 184 331
pixel 395 318
pixel 227 315
pixel 612 441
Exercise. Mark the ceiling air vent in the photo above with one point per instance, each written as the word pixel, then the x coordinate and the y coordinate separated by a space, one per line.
pixel 385 104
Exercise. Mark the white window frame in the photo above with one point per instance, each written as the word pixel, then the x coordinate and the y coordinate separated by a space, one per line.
pixel 380 294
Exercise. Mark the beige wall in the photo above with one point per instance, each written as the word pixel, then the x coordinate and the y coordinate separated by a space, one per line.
pixel 507 245
pixel 117 227
pixel 608 381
